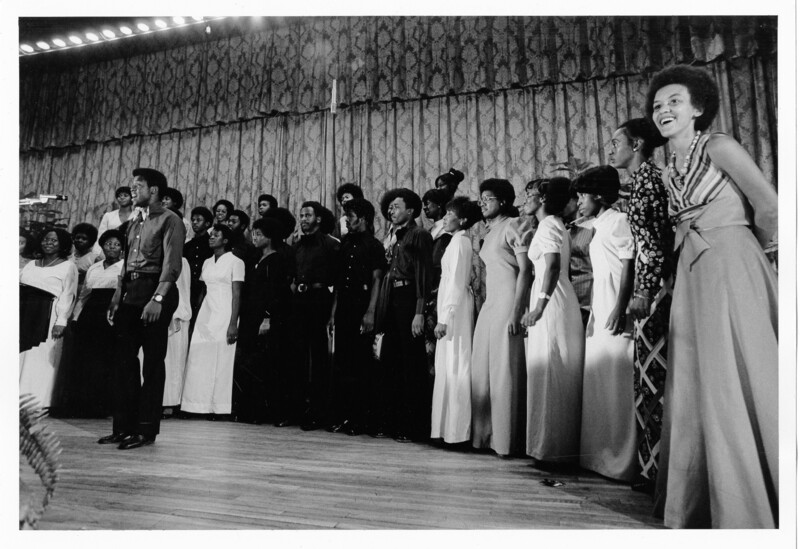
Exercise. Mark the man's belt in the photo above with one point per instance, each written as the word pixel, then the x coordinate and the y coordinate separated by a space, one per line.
pixel 303 287
pixel 399 283
pixel 133 275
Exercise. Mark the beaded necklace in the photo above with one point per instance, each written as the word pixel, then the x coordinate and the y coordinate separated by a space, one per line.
pixel 673 170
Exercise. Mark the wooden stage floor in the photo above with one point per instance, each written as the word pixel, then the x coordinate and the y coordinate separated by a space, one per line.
pixel 222 475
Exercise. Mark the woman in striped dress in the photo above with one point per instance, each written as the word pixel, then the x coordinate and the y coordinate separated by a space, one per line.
pixel 719 446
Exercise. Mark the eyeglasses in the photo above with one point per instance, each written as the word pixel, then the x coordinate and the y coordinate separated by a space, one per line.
pixel 49 241
pixel 487 199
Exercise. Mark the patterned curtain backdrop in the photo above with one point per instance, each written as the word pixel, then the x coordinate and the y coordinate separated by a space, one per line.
pixel 289 68
pixel 518 134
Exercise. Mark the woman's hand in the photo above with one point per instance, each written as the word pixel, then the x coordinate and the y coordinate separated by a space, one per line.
pixel 640 307
pixel 418 325
pixel 58 331
pixel 514 325
pixel 533 317
pixel 440 331
pixel 616 322
pixel 233 334
pixel 264 328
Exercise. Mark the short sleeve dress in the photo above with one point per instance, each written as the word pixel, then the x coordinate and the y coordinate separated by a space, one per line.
pixel 608 426
pixel 555 354
pixel 498 359
pixel 208 386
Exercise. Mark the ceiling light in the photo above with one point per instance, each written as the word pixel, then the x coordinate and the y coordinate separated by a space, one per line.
pixel 92 36
pixel 197 17
pixel 26 48
pixel 143 27
pixel 125 30
pixel 160 24
pixel 179 20
pixel 43 45
pixel 59 42
pixel 75 40
pixel 108 33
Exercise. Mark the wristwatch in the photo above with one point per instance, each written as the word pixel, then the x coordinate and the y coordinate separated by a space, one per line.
pixel 158 298
pixel 543 295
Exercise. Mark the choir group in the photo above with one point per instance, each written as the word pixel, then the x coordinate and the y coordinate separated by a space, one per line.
pixel 635 337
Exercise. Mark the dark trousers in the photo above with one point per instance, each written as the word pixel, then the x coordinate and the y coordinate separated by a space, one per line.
pixel 407 367
pixel 353 361
pixel 137 403
pixel 309 370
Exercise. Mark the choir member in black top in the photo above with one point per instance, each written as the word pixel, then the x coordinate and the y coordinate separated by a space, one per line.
pixel 196 251
pixel 361 265
pixel 263 322
pixel 238 222
pixel 315 261
pixel 408 283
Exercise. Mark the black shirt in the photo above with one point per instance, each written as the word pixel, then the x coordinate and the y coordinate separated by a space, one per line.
pixel 412 258
pixel 359 255
pixel 196 251
pixel 315 259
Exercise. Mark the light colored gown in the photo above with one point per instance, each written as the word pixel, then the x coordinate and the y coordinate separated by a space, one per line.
pixel 178 341
pixel 498 359
pixel 451 408
pixel 209 368
pixel 555 354
pixel 719 439
pixel 608 425
pixel 37 366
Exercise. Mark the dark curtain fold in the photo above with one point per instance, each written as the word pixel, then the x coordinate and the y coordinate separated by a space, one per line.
pixel 290 68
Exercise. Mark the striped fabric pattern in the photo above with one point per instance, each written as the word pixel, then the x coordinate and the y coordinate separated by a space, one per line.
pixel 701 183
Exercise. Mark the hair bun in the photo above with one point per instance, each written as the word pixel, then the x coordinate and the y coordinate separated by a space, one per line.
pixel 456 175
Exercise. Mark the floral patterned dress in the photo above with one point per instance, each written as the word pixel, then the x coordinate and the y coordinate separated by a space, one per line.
pixel 652 230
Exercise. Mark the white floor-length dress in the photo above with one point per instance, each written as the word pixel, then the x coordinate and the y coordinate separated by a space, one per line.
pixel 451 410
pixel 608 425
pixel 554 354
pixel 208 385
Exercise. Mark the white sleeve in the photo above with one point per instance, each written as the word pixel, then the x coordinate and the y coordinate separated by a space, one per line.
pixel 453 288
pixel 184 310
pixel 237 270
pixel 66 300
pixel 622 238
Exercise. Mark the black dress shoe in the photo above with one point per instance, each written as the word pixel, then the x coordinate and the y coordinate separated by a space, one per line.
pixel 379 432
pixel 311 425
pixel 401 437
pixel 135 441
pixel 282 423
pixel 351 429
pixel 113 438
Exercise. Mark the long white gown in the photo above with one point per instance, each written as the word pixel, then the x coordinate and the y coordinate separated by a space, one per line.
pixel 209 368
pixel 555 354
pixel 37 366
pixel 178 341
pixel 451 410
pixel 608 426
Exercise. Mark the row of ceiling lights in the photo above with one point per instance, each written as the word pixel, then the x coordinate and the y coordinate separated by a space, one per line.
pixel 107 34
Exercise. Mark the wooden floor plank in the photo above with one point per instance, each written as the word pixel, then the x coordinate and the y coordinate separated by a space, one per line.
pixel 219 475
